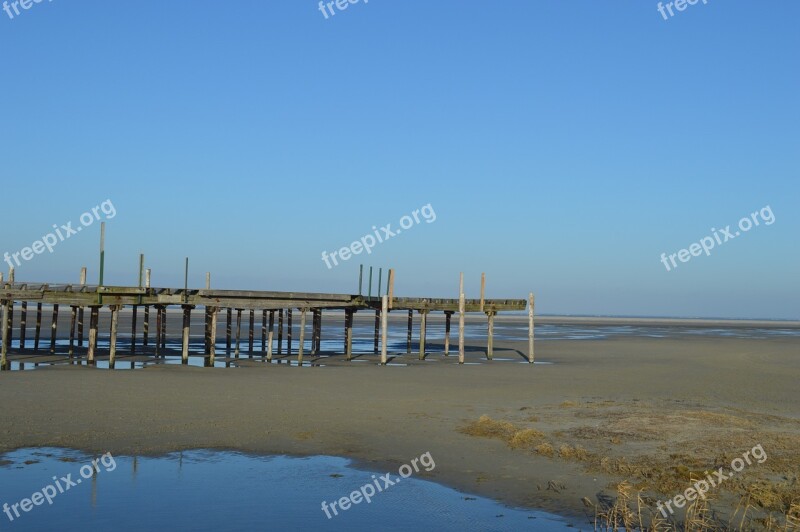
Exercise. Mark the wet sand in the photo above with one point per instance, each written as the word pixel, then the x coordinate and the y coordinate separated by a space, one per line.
pixel 658 398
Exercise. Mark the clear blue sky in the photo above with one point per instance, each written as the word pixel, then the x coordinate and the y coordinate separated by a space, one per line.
pixel 563 146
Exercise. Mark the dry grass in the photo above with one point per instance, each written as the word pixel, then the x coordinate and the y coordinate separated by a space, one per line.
pixel 662 451
pixel 526 439
pixel 486 427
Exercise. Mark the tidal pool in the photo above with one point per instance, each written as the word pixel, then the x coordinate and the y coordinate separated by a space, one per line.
pixel 209 490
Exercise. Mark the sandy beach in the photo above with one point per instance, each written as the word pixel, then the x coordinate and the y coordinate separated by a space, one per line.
pixel 559 435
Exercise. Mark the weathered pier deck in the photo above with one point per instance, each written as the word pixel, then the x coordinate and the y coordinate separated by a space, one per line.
pixel 274 309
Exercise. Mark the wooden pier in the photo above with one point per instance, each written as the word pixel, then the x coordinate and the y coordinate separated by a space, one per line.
pixel 273 308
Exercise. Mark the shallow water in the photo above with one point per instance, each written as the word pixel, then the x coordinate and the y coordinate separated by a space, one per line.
pixel 363 340
pixel 206 490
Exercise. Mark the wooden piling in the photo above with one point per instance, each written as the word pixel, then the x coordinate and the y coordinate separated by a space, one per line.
pixel 93 321
pixel 134 316
pixel 391 288
pixel 317 331
pixel 212 344
pixel 410 331
pixel 384 329
pixel 490 339
pixel 54 330
pixel 72 320
pixel 263 333
pixel 164 330
pixel 461 310
pixel 159 317
pixel 207 331
pixel 531 308
pixel 301 347
pixel 37 332
pixel 4 365
pixel 238 332
pixel 423 329
pixel 80 309
pixel 280 332
pixel 448 315
pixel 228 332
pixel 146 325
pixel 271 333
pixel 289 332
pixel 112 350
pixel 377 331
pixel 187 320
pixel 10 325
pixel 23 325
pixel 348 334
pixel 252 332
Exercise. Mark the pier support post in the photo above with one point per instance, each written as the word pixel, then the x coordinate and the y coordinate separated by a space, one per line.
pixel 4 365
pixel 448 315
pixel 238 332
pixel 158 329
pixel 146 326
pixel 289 332
pixel 80 309
pixel 384 329
pixel 72 319
pixel 410 327
pixel 23 325
pixel 263 333
pixel 280 332
pixel 377 330
pixel 10 326
pixel 490 341
pixel 94 312
pixel 531 308
pixel 212 337
pixel 134 317
pixel 317 338
pixel 38 331
pixel 348 334
pixel 164 330
pixel 251 336
pixel 112 350
pixel 423 329
pixel 54 330
pixel 461 310
pixel 301 347
pixel 187 320
pixel 271 334
pixel 228 332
